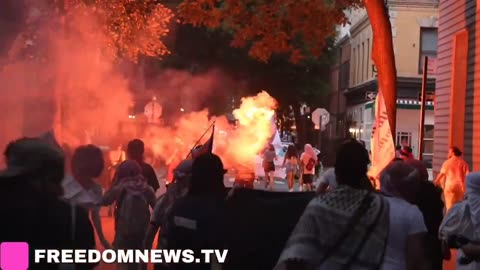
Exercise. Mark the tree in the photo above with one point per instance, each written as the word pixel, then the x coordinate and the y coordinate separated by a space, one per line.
pixel 129 28
pixel 298 28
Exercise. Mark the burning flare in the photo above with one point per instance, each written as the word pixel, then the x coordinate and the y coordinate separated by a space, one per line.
pixel 235 144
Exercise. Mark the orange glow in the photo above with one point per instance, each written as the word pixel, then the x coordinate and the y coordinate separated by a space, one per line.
pixel 63 71
pixel 75 69
pixel 235 145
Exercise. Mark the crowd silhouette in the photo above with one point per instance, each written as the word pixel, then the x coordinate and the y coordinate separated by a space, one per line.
pixel 51 198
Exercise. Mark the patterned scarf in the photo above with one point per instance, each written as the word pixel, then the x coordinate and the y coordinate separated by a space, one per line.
pixel 344 229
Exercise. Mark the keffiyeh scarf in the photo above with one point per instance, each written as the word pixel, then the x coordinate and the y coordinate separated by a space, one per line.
pixel 344 229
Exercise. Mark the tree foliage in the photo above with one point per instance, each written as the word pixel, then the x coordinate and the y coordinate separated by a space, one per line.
pixel 298 28
pixel 130 28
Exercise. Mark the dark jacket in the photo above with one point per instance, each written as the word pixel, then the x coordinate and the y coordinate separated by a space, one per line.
pixel 430 203
pixel 43 222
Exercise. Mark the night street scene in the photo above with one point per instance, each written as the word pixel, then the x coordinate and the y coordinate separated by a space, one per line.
pixel 239 135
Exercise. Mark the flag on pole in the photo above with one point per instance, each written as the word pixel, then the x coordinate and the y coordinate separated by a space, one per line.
pixel 382 145
pixel 206 148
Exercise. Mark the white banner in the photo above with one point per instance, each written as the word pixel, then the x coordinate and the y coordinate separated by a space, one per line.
pixel 382 145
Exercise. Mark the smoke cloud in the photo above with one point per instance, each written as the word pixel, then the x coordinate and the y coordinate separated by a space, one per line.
pixel 64 77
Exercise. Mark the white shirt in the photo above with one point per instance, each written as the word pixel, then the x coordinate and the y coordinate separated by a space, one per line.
pixel 328 178
pixel 76 194
pixel 405 220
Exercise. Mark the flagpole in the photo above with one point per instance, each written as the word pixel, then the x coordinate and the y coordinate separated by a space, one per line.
pixel 199 140
pixel 423 96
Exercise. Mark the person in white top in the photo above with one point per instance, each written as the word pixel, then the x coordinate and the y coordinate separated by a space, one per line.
pixel 406 244
pixel 81 189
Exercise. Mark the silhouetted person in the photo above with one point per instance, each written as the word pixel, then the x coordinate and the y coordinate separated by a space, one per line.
pixel 197 219
pixel 135 151
pixel 332 232
pixel 32 210
pixel 81 187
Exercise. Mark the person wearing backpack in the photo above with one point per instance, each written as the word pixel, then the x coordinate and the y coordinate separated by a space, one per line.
pixel 309 160
pixel 134 196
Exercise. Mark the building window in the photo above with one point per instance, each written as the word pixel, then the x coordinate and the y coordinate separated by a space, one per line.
pixel 363 61
pixel 344 75
pixel 404 138
pixel 428 45
pixel 427 153
pixel 354 67
pixel 358 64
pixel 368 57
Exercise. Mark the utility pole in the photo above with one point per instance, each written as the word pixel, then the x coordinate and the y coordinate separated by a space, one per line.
pixel 421 131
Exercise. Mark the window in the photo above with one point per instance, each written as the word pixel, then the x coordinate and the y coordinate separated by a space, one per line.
pixel 404 138
pixel 344 75
pixel 354 67
pixel 427 153
pixel 358 64
pixel 363 61
pixel 428 45
pixel 368 57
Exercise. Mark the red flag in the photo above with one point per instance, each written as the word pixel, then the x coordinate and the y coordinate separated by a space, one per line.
pixel 206 148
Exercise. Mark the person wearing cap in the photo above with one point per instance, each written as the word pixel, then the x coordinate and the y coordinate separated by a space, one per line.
pixel 197 219
pixel 32 208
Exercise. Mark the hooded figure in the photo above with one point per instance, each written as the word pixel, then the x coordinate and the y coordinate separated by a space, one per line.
pixel 197 220
pixel 308 160
pixel 463 219
pixel 30 194
pixel 133 196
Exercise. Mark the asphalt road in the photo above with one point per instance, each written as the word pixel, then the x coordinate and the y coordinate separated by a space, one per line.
pixel 279 186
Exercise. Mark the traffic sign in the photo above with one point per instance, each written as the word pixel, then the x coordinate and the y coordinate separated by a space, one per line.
pixel 320 112
pixel 153 111
pixel 370 95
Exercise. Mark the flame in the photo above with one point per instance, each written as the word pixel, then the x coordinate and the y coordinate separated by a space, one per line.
pixel 235 145
pixel 255 127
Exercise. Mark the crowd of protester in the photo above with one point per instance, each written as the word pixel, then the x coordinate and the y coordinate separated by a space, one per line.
pixel 51 198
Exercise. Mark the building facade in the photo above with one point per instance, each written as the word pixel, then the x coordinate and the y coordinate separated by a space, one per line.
pixel 457 94
pixel 414 30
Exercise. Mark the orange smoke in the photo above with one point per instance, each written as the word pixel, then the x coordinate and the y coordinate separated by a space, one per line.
pixel 254 128
pixel 235 145
pixel 63 72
